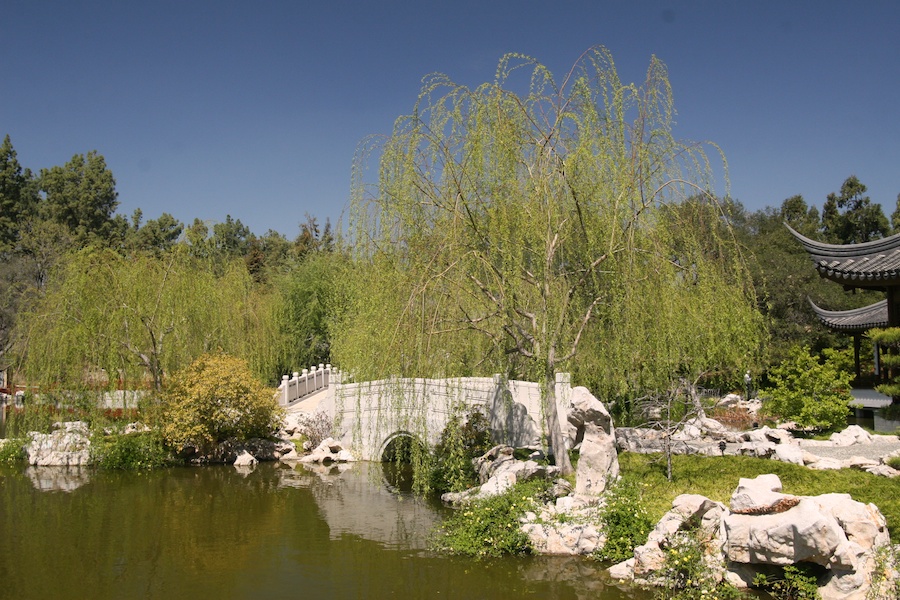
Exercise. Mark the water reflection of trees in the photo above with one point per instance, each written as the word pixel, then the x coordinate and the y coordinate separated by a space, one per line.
pixel 211 532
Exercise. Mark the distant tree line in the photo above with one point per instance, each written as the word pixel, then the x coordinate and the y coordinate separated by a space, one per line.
pixel 88 295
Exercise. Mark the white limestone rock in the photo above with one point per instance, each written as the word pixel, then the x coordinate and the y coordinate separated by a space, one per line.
pixel 767 527
pixel 598 463
pixel 564 539
pixel 854 434
pixel 327 452
pixel 245 459
pixel 761 495
pixel 789 453
pixel 69 445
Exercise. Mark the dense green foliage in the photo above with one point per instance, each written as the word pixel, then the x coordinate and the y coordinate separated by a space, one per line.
pixel 214 399
pixel 490 527
pixel 888 341
pixel 793 584
pixel 626 522
pixel 105 320
pixel 811 393
pixel 465 437
pixel 132 451
pixel 11 451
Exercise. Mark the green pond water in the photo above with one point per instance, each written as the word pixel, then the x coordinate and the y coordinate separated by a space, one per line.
pixel 273 532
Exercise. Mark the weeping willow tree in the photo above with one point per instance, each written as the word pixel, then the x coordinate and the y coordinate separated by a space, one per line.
pixel 105 320
pixel 514 227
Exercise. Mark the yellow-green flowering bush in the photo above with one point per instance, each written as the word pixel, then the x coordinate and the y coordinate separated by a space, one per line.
pixel 214 399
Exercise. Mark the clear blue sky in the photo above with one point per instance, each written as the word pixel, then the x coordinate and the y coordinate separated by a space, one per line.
pixel 255 109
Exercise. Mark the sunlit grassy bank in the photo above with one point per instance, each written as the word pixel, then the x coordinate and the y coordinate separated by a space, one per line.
pixel 717 477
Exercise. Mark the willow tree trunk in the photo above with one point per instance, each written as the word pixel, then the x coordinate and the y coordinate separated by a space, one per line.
pixel 557 439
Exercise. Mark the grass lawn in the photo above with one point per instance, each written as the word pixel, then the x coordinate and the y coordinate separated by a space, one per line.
pixel 717 477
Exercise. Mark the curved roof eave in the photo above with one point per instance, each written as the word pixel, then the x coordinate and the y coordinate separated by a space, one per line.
pixel 844 251
pixel 857 319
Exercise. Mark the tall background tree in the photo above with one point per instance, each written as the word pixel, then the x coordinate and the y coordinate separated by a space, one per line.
pixel 515 232
pixel 82 196
pixel 850 217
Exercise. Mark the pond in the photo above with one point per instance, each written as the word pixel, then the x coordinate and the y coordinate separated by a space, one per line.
pixel 275 531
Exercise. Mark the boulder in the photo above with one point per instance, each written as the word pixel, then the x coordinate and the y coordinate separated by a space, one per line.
pixel 765 527
pixel 498 471
pixel 588 409
pixel 767 434
pixel 761 495
pixel 245 459
pixel 598 463
pixel 564 539
pixel 789 453
pixel 687 510
pixel 757 449
pixel 68 445
pixel 826 464
pixel 854 434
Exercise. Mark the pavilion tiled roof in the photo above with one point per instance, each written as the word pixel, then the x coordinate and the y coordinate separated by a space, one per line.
pixel 857 319
pixel 874 264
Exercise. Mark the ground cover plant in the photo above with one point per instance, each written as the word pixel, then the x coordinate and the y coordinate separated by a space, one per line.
pixel 625 521
pixel 490 527
pixel 686 574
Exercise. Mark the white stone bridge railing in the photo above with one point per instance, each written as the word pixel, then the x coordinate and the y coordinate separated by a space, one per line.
pixel 304 384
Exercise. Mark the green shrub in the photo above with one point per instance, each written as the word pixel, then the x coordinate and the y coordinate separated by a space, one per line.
pixel 894 462
pixel 461 441
pixel 796 583
pixel 133 451
pixel 810 393
pixel 11 451
pixel 625 521
pixel 490 527
pixel 889 341
pixel 214 399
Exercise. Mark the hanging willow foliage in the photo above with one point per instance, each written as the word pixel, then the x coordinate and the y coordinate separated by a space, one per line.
pixel 105 320
pixel 522 224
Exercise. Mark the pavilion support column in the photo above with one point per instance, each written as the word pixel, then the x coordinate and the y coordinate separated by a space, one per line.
pixel 893 306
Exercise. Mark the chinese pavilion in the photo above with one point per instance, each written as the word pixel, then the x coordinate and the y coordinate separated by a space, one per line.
pixel 871 265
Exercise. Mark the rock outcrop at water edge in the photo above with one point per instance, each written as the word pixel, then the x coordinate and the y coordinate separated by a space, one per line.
pixel 764 527
pixel 69 445
pixel 329 451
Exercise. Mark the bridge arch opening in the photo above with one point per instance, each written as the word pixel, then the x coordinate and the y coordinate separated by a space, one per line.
pixel 398 455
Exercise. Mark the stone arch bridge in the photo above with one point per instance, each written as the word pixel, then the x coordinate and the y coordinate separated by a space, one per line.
pixel 369 415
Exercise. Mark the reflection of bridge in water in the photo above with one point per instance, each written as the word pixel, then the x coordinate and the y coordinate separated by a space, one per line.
pixel 355 499
pixel 369 415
